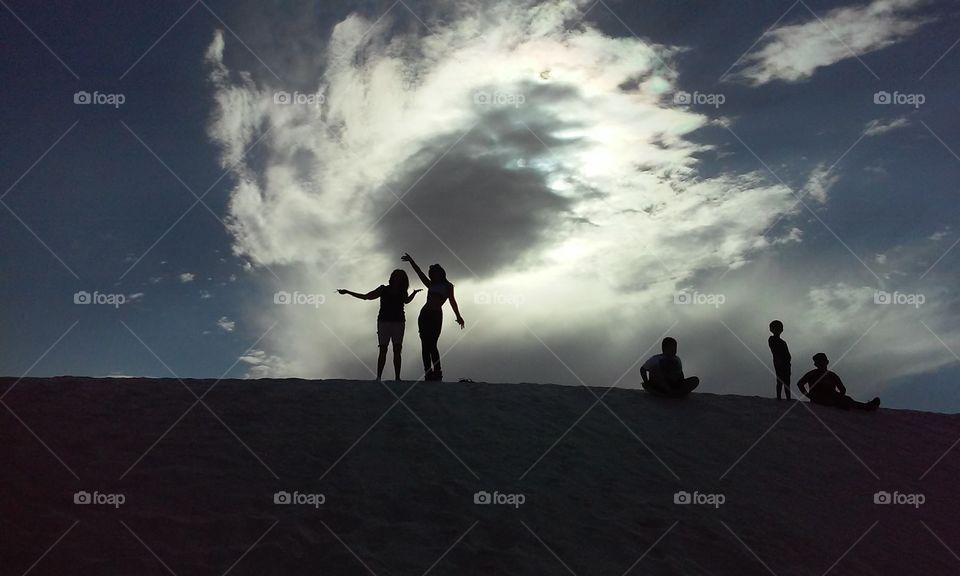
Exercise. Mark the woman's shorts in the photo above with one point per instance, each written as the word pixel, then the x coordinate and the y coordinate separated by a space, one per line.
pixel 390 332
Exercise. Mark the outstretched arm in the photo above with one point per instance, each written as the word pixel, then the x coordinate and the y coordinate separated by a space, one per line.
pixel 423 277
pixel 412 294
pixel 371 295
pixel 456 309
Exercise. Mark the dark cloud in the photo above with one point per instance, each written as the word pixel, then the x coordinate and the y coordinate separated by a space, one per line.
pixel 487 197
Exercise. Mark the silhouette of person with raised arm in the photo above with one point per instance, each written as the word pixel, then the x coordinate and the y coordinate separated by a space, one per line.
pixel 827 389
pixel 781 358
pixel 430 322
pixel 663 373
pixel 391 321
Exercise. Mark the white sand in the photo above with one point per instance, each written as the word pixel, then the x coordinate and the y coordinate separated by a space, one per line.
pixel 399 488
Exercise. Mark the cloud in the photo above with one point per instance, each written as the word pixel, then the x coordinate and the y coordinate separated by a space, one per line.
pixel 878 127
pixel 226 324
pixel 515 182
pixel 263 365
pixel 794 52
pixel 205 295
pixel 820 182
pixel 186 277
pixel 567 210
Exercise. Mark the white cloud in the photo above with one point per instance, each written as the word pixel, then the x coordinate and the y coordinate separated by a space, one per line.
pixel 878 127
pixel 792 53
pixel 623 215
pixel 226 324
pixel 263 365
pixel 135 296
pixel 615 189
pixel 187 277
pixel 820 182
pixel 205 295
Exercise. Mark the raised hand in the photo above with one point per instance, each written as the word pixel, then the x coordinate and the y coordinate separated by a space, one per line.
pixel 406 257
pixel 342 291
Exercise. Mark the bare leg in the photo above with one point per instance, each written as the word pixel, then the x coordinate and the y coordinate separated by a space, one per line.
pixel 381 361
pixel 396 362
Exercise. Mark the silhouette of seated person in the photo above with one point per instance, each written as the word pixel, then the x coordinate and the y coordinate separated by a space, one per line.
pixel 825 387
pixel 663 373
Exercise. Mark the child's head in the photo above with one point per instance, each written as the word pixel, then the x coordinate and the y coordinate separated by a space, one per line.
pixel 776 327
pixel 669 346
pixel 820 360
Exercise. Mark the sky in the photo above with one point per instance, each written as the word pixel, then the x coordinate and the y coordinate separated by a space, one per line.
pixel 185 186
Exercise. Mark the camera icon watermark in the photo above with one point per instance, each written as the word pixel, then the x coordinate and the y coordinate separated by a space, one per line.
pixel 295 498
pixel 284 98
pixel 96 298
pixel 83 498
pixel 485 298
pixel 884 498
pixel 684 498
pixel 484 498
pixel 83 98
pixel 685 98
pixel 898 298
pixel 883 97
pixel 284 298
pixel 498 99
pixel 694 298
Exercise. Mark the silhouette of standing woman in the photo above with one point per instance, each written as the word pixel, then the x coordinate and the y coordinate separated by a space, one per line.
pixel 391 321
pixel 439 290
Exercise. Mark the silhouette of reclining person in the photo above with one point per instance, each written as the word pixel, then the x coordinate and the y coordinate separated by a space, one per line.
pixel 827 389
pixel 391 321
pixel 663 373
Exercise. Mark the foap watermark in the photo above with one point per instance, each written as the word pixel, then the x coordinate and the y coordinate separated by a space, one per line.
pixel 299 299
pixel 694 298
pixel 295 498
pixel 499 298
pixel 498 98
pixel 898 298
pixel 284 98
pixel 83 297
pixel 685 498
pixel 698 99
pixel 484 498
pixel 883 498
pixel 883 97
pixel 100 98
pixel 83 497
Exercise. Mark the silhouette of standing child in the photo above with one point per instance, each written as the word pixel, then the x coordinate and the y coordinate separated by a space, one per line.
pixel 391 321
pixel 430 322
pixel 781 358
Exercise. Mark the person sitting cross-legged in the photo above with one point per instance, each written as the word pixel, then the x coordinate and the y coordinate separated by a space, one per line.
pixel 663 373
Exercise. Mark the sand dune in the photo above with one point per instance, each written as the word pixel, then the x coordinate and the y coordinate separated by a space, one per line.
pixel 388 487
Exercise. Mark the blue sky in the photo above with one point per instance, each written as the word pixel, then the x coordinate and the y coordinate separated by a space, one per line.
pixel 630 155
